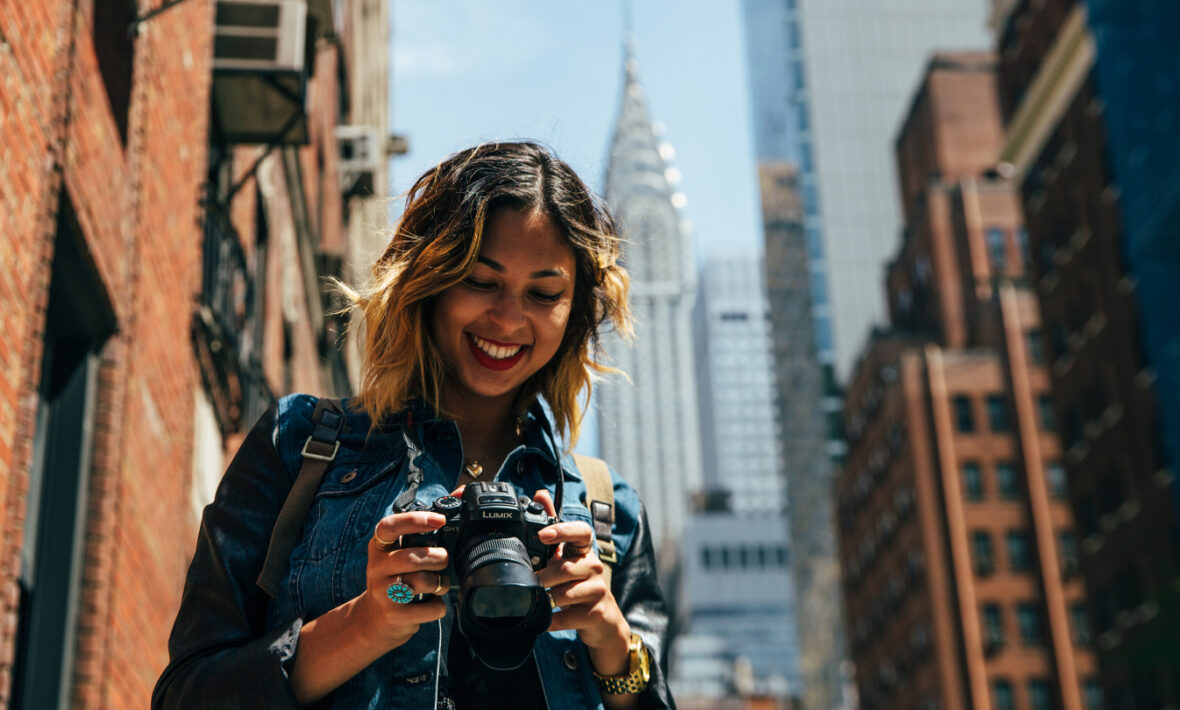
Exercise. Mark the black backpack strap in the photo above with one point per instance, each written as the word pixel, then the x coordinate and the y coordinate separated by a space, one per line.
pixel 600 499
pixel 318 451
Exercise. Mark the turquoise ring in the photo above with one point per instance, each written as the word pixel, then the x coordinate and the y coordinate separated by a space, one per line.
pixel 399 592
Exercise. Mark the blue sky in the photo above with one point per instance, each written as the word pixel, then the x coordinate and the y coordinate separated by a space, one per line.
pixel 472 70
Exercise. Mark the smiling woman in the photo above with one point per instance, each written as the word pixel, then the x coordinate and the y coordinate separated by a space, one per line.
pixel 482 317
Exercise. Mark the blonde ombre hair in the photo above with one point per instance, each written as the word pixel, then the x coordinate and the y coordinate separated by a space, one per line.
pixel 435 245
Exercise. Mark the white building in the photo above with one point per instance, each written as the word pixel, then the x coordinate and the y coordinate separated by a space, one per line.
pixel 648 426
pixel 740 438
pixel 736 594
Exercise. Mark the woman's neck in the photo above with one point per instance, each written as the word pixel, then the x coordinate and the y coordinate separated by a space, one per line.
pixel 488 429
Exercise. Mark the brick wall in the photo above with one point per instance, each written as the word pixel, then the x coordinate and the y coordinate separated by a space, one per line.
pixel 136 201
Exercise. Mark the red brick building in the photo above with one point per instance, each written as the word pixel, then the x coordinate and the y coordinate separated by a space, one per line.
pixel 159 285
pixel 1089 105
pixel 957 545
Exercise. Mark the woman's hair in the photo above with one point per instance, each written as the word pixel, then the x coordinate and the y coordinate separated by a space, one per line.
pixel 435 245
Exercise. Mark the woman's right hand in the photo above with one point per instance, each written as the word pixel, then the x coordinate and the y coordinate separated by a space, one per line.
pixel 419 568
pixel 341 643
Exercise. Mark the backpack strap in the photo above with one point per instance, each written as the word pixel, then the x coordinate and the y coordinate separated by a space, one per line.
pixel 600 499
pixel 318 451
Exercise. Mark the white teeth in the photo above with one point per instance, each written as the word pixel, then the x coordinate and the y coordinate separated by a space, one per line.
pixel 496 352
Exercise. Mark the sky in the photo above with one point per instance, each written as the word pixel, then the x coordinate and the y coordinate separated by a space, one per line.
pixel 465 71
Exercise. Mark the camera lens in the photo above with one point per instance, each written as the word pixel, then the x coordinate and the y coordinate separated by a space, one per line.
pixel 501 606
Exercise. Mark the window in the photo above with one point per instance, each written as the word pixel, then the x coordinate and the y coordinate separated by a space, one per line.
pixel 707 558
pixel 995 248
pixel 1036 346
pixel 964 421
pixel 1002 695
pixel 1022 245
pixel 1092 693
pixel 972 481
pixel 993 626
pixel 1006 482
pixel 1039 697
pixel 997 413
pixel 1028 617
pixel 1045 412
pixel 981 552
pixel 1055 472
pixel 79 319
pixel 114 48
pixel 1019 559
pixel 1079 622
pixel 1067 550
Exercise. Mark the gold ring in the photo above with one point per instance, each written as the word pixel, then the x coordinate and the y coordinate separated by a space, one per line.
pixel 549 593
pixel 438 585
pixel 386 545
pixel 578 550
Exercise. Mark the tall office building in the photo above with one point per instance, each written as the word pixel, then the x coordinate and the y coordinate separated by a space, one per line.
pixel 741 449
pixel 740 636
pixel 851 69
pixel 1090 99
pixel 648 425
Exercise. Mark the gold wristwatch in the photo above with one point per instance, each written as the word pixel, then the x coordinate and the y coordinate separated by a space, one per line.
pixel 637 675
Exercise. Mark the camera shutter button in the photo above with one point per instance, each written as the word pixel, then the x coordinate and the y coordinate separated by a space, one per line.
pixel 536 508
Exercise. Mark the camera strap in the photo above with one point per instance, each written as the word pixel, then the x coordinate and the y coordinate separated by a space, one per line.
pixel 600 499
pixel 318 452
pixel 414 475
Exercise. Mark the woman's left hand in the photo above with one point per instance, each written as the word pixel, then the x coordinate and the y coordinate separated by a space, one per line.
pixel 579 587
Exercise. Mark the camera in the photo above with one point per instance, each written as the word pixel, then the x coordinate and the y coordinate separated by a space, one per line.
pixel 494 554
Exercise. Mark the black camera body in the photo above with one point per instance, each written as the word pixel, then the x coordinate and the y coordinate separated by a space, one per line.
pixel 488 510
pixel 493 557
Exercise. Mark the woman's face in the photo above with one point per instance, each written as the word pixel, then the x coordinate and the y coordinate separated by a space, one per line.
pixel 503 323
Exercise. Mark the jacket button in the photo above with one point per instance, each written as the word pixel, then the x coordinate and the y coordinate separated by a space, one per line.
pixel 571 660
pixel 348 477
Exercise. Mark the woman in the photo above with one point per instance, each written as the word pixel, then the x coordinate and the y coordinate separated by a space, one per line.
pixel 484 310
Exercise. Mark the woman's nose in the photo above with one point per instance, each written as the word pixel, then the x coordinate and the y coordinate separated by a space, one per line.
pixel 507 311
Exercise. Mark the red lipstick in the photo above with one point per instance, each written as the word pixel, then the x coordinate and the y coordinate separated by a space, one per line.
pixel 490 362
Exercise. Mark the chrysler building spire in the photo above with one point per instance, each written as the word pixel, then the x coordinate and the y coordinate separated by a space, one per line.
pixel 648 426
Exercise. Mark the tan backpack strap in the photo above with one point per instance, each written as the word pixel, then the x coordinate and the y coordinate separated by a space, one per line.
pixel 600 499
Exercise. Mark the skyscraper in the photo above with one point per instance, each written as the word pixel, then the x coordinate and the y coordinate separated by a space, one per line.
pixel 740 635
pixel 741 449
pixel 648 426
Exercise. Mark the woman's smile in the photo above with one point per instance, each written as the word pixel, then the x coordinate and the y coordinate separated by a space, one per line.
pixel 494 355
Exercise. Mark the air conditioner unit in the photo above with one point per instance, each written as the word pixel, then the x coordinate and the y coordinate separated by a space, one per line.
pixel 260 35
pixel 361 155
pixel 261 64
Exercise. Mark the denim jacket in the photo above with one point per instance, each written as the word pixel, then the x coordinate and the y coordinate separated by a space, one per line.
pixel 232 645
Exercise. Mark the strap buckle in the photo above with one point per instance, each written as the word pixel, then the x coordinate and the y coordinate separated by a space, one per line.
pixel 318 457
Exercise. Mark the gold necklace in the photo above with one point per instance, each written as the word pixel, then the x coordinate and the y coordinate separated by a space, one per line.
pixel 472 465
pixel 473 468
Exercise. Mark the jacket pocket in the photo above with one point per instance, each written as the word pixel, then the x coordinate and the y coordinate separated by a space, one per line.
pixel 345 507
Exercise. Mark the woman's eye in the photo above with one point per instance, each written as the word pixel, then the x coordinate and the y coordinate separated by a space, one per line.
pixel 547 297
pixel 479 285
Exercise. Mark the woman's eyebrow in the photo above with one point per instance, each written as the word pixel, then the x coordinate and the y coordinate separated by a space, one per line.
pixel 543 273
